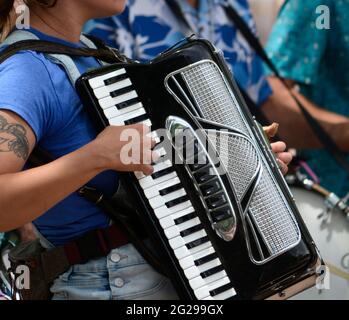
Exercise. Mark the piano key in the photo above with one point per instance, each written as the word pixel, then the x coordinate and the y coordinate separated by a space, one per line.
pixel 183 252
pixel 221 289
pixel 190 230
pixel 197 243
pixel 113 112
pixel 106 91
pixel 126 104
pixel 136 120
pixel 199 270
pixel 185 218
pixel 163 211
pixel 155 191
pixel 160 173
pixel 225 295
pixel 199 282
pixel 120 120
pixel 115 79
pixel 108 102
pixel 162 200
pixel 170 189
pixel 170 220
pixel 121 91
pixel 161 165
pixel 99 81
pixel 175 202
pixel 178 242
pixel 210 272
pixel 189 261
pixel 216 201
pixel 148 181
pixel 175 231
pixel 204 291
pixel 205 259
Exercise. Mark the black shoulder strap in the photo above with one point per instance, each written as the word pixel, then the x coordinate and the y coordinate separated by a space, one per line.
pixel 102 53
pixel 327 141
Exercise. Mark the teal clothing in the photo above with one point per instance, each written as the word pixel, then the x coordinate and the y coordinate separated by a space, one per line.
pixel 318 59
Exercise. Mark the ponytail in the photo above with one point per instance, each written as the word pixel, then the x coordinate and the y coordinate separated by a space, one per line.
pixel 6 7
pixel 7 13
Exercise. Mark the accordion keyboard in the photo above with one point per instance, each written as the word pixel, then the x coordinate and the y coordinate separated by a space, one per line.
pixel 167 197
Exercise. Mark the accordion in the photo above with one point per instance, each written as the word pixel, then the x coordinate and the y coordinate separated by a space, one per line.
pixel 223 218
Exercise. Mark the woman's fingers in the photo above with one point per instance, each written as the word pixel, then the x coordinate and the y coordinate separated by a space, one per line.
pixel 283 167
pixel 285 157
pixel 278 147
pixel 271 130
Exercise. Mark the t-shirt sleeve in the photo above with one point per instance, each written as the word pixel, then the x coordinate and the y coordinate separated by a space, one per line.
pixel 26 89
pixel 114 31
pixel 296 44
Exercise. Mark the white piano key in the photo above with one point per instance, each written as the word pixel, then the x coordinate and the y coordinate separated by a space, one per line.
pixel 147 123
pixel 225 295
pixel 99 81
pixel 189 261
pixel 204 291
pixel 115 112
pixel 159 201
pixel 108 102
pixel 148 182
pixel 106 91
pixel 174 231
pixel 195 271
pixel 120 120
pixel 161 165
pixel 199 282
pixel 183 252
pixel 178 242
pixel 155 190
pixel 168 221
pixel 163 211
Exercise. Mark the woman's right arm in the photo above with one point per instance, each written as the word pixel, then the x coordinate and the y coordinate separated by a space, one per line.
pixel 26 195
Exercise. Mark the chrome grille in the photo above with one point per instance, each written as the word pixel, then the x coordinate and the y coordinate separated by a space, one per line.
pixel 268 212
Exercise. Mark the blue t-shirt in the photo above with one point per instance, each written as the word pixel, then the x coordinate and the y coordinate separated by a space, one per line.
pixel 148 27
pixel 41 93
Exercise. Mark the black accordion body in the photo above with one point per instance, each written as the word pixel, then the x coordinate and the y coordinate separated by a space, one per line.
pixel 225 223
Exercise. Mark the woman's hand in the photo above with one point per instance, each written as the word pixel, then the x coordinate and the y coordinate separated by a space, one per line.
pixel 282 157
pixel 125 148
pixel 279 148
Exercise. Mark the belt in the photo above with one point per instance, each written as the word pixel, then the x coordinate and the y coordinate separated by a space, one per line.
pixel 92 245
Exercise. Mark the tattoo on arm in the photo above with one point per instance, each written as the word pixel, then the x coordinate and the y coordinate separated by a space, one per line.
pixel 13 139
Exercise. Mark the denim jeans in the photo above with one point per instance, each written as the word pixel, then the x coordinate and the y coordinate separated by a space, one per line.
pixel 122 275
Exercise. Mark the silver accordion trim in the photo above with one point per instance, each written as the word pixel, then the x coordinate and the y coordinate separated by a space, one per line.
pixel 267 218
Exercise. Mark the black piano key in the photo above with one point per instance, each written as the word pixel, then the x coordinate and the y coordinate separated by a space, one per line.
pixel 137 119
pixel 221 289
pixel 177 201
pixel 191 230
pixel 206 259
pixel 192 149
pixel 216 201
pixel 204 175
pixel 221 214
pixel 126 104
pixel 211 272
pixel 185 218
pixel 120 92
pixel 113 80
pixel 211 188
pixel 197 242
pixel 171 189
pixel 161 173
